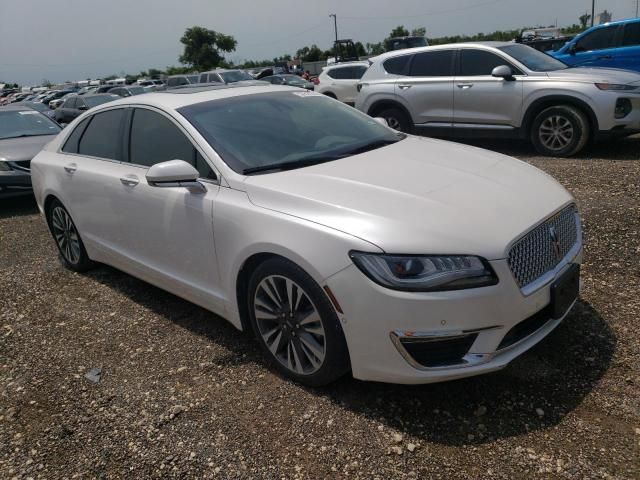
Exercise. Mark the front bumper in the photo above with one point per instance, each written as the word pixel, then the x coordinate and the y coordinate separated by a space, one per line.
pixel 611 127
pixel 375 318
pixel 14 183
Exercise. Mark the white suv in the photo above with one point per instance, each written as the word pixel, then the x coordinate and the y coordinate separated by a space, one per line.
pixel 341 80
pixel 500 89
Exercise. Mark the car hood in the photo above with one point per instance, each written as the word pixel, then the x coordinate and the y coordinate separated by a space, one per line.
pixel 24 148
pixel 418 196
pixel 596 75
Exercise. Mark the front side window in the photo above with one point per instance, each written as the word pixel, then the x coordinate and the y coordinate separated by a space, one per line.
pixel 474 63
pixel 70 102
pixel 533 59
pixel 155 139
pixel 631 34
pixel 25 123
pixel 103 136
pixel 433 64
pixel 599 39
pixel 284 130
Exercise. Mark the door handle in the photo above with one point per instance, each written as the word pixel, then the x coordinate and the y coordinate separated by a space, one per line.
pixel 465 86
pixel 404 87
pixel 71 168
pixel 129 180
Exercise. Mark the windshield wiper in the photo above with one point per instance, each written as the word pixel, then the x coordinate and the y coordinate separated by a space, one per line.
pixel 22 135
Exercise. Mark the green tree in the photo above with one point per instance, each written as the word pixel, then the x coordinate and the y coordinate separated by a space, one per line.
pixel 202 47
pixel 360 50
pixel 584 20
pixel 419 32
pixel 399 31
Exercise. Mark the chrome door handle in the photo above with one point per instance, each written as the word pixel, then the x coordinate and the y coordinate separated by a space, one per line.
pixel 130 180
pixel 404 87
pixel 465 86
pixel 71 168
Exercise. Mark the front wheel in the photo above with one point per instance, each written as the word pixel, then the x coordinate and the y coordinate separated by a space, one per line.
pixel 396 119
pixel 295 324
pixel 560 131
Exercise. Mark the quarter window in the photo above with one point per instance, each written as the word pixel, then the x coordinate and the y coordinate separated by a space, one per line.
pixel 156 139
pixel 71 145
pixel 474 63
pixel 103 136
pixel 397 65
pixel 432 64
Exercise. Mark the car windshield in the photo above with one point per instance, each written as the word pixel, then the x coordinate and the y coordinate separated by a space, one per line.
pixel 533 59
pixel 99 100
pixel 235 76
pixel 293 79
pixel 285 130
pixel 25 123
pixel 136 90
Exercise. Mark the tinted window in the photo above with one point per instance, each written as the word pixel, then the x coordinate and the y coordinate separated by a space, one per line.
pixel 397 65
pixel 203 78
pixel 631 34
pixel 71 145
pixel 358 72
pixel 172 82
pixel 80 103
pixel 432 64
pixel 478 62
pixel 156 139
pixel 103 136
pixel 533 59
pixel 70 102
pixel 597 40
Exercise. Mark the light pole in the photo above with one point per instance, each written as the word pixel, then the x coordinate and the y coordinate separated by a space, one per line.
pixel 593 11
pixel 335 24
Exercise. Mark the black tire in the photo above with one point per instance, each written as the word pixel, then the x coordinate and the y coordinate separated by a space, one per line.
pixel 560 131
pixel 336 357
pixel 65 235
pixel 396 119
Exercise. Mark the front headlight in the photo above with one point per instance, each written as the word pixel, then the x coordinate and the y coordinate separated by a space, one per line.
pixel 615 87
pixel 428 273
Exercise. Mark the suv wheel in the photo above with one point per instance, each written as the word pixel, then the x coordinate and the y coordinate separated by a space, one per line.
pixel 296 325
pixel 396 119
pixel 64 232
pixel 560 131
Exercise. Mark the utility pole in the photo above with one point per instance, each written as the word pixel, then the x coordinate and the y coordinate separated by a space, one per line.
pixel 593 11
pixel 637 5
pixel 335 23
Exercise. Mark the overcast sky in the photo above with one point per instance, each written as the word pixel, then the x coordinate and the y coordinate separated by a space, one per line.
pixel 78 39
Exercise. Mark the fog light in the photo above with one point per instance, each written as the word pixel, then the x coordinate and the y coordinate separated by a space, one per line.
pixel 623 107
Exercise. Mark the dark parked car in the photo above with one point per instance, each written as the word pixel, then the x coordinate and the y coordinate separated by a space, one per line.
pixel 23 133
pixel 74 106
pixel 181 80
pixel 127 90
pixel 290 80
pixel 55 95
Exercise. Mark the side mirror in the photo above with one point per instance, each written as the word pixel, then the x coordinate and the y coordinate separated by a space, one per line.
pixel 175 173
pixel 502 71
pixel 83 107
pixel 381 121
pixel 572 49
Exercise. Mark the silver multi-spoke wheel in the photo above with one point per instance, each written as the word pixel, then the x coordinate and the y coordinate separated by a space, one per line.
pixel 66 235
pixel 556 132
pixel 289 324
pixel 393 123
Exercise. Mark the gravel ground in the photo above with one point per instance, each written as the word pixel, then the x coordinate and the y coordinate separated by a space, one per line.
pixel 183 394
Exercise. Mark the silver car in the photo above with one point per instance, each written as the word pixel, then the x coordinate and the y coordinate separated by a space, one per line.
pixel 500 89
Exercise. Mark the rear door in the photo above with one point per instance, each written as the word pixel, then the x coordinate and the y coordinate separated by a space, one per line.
pixel 628 55
pixel 167 232
pixel 344 81
pixel 427 90
pixel 481 99
pixel 597 48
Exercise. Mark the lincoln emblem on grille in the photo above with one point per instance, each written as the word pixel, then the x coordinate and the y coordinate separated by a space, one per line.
pixel 555 241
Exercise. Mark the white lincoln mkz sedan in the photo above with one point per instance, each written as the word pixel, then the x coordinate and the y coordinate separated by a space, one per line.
pixel 342 244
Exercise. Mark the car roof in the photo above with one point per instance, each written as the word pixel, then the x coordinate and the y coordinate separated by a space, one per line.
pixel 176 98
pixel 445 46
pixel 347 64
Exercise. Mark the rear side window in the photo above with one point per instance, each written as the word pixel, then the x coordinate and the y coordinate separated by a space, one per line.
pixel 474 63
pixel 103 136
pixel 631 34
pixel 397 65
pixel 338 73
pixel 432 64
pixel 156 139
pixel 599 39
pixel 71 145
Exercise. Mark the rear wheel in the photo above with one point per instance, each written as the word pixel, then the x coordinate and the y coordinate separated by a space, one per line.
pixel 295 324
pixel 396 119
pixel 560 131
pixel 72 252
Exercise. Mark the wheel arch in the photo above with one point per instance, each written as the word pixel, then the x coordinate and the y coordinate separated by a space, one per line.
pixel 379 105
pixel 558 100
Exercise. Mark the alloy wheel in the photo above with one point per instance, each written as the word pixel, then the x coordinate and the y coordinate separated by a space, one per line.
pixel 394 123
pixel 556 132
pixel 66 235
pixel 290 325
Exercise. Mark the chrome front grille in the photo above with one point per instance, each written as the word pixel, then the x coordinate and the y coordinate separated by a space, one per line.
pixel 543 248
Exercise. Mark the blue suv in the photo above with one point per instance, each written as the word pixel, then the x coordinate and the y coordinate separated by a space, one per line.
pixel 611 45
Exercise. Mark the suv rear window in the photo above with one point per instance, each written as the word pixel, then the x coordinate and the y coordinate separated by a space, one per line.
pixel 432 64
pixel 347 73
pixel 397 65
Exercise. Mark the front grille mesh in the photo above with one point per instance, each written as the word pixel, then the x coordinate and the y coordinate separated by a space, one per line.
pixel 535 254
